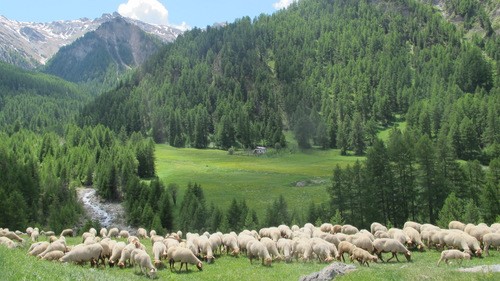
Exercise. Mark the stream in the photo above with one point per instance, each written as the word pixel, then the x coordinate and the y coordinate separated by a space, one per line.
pixel 108 214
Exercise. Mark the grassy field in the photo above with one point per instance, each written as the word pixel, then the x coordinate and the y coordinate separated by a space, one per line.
pixel 257 179
pixel 16 265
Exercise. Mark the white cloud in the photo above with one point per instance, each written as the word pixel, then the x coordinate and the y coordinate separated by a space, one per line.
pixel 150 11
pixel 282 4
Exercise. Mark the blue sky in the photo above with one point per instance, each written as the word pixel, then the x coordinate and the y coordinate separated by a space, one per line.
pixel 190 13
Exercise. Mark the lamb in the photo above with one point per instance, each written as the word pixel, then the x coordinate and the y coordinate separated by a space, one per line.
pixel 388 245
pixel 417 226
pixel 142 234
pixel 53 256
pixel 113 232
pixel 231 244
pixel 144 262
pixel 67 232
pixel 185 256
pixel 40 248
pixel 453 254
pixel 345 247
pixel 349 229
pixel 103 232
pixel 362 256
pixel 123 234
pixel 374 227
pixel 159 252
pixel 284 246
pixel 116 253
pixel 84 253
pixel 456 225
pixel 257 249
pixel 5 241
pixel 491 239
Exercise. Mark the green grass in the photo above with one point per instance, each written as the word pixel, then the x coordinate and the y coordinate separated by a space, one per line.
pixel 16 265
pixel 384 134
pixel 257 179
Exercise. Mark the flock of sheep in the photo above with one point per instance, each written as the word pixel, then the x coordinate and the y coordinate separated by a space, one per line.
pixel 325 243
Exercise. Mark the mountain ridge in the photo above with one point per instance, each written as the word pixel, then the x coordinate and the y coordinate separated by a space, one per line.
pixel 31 44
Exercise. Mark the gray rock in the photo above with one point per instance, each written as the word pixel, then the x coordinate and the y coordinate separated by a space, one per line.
pixel 329 272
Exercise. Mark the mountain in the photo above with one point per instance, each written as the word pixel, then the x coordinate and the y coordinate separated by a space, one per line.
pixel 29 44
pixel 333 72
pixel 102 55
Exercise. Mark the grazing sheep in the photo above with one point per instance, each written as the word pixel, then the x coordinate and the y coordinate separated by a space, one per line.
pixel 67 232
pixel 152 233
pixel 86 235
pixel 271 248
pixel 206 250
pixel 456 225
pixel 468 227
pixel 40 248
pixel 374 227
pixel 156 238
pixel 257 249
pixel 93 231
pixel 5 241
pixel 323 250
pixel 47 233
pixel 144 262
pixel 159 253
pixel 12 236
pixel 215 240
pixel 231 244
pixel 84 253
pixel 125 256
pixel 491 239
pixel 453 254
pixel 345 247
pixel 103 232
pixel 116 253
pixel 337 229
pixel 479 231
pixel 388 245
pixel 34 235
pixel 429 227
pixel 106 250
pixel 416 239
pixel 29 230
pixel 327 227
pixel 185 256
pixel 398 234
pixel 243 240
pixel 113 232
pixel 54 246
pixel 362 256
pixel 53 256
pixel 284 246
pixel 361 241
pixel 381 234
pixel 417 226
pixel 142 233
pixel 123 234
pixel 349 229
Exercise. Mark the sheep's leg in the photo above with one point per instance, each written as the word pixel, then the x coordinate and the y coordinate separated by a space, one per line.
pixel 379 255
pixel 391 257
pixel 396 255
pixel 486 249
pixel 439 261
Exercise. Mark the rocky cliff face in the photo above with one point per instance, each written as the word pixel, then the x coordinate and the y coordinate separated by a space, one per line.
pixel 29 44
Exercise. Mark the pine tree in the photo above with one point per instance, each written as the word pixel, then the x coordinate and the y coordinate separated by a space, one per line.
pixel 452 210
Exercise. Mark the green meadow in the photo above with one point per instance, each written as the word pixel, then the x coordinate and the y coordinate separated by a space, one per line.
pixel 16 265
pixel 300 176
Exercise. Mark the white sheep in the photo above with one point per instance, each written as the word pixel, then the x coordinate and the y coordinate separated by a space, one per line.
pixel 417 226
pixel 29 229
pixel 152 233
pixel 116 253
pixel 47 233
pixel 286 232
pixel 159 253
pixel 12 236
pixel 231 244
pixel 67 232
pixel 326 227
pixel 53 256
pixel 84 253
pixel 388 245
pixel 113 232
pixel 284 246
pixel 38 249
pixel 323 250
pixel 144 262
pixel 374 227
pixel 183 255
pixel 5 241
pixel 399 235
pixel 257 249
pixel 416 239
pixel 272 249
pixel 381 234
pixel 428 227
pixel 361 241
pixel 491 239
pixel 349 229
pixel 123 234
pixel 453 254
pixel 479 231
pixel 456 225
pixel 125 256
pixel 362 256
pixel 103 232
pixel 142 233
pixel 215 240
pixel 54 246
pixel 34 235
